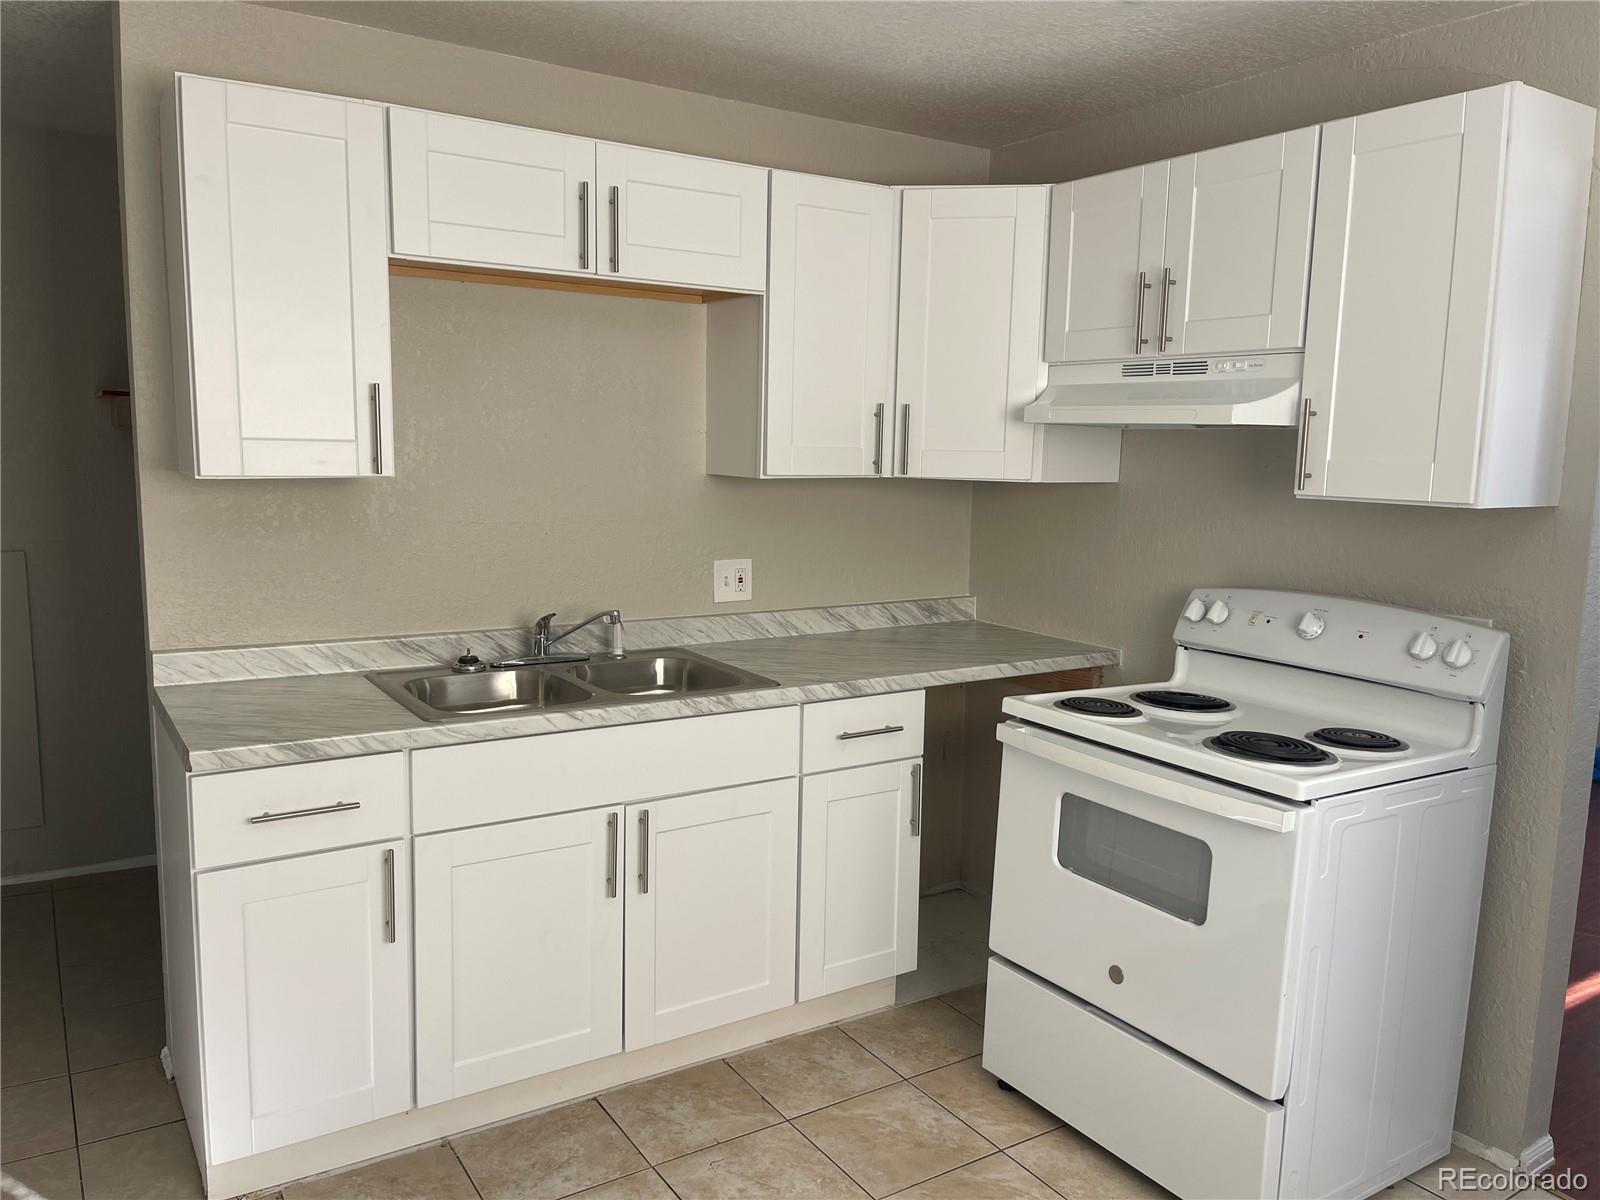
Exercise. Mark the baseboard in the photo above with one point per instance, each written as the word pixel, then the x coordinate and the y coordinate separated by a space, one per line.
pixel 120 864
pixel 1539 1157
pixel 1503 1159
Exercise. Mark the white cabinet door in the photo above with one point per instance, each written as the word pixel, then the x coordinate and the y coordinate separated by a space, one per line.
pixel 477 191
pixel 676 219
pixel 711 909
pixel 1106 240
pixel 859 868
pixel 1238 247
pixel 971 320
pixel 519 950
pixel 278 265
pixel 830 326
pixel 1405 242
pixel 305 996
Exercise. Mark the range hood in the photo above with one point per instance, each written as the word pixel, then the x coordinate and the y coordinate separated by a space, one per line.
pixel 1243 389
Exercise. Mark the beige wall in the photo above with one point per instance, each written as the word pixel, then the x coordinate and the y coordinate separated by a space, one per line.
pixel 68 499
pixel 551 447
pixel 1109 564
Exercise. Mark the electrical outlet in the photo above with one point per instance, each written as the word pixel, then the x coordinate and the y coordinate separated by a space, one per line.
pixel 731 579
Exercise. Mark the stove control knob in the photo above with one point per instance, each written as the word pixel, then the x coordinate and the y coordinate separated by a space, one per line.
pixel 1457 655
pixel 1310 626
pixel 1218 612
pixel 1423 647
pixel 1194 610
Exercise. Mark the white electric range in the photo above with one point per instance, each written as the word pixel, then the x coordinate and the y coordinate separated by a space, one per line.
pixel 1235 910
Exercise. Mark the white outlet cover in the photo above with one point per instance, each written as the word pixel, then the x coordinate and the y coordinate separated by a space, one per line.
pixel 732 580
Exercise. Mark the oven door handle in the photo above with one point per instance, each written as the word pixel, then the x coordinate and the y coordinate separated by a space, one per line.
pixel 1264 814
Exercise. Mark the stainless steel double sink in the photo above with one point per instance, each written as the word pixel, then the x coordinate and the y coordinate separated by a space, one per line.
pixel 439 694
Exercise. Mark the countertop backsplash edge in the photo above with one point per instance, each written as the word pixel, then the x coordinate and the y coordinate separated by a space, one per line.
pixel 224 664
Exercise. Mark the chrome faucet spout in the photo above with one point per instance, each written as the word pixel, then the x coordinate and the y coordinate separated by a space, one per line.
pixel 544 641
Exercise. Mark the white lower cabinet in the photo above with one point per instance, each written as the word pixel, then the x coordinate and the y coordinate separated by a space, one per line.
pixel 859 854
pixel 711 909
pixel 519 950
pixel 305 986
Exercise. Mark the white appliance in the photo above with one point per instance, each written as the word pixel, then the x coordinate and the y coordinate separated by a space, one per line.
pixel 1235 911
pixel 1231 389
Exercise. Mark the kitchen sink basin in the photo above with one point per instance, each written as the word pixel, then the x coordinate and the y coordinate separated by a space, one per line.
pixel 658 675
pixel 438 694
pixel 490 691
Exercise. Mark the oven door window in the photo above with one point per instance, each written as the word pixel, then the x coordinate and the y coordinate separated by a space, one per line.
pixel 1141 859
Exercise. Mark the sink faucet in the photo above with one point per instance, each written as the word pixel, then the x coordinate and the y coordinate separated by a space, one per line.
pixel 543 649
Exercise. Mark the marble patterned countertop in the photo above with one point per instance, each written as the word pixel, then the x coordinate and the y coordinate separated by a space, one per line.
pixel 265 721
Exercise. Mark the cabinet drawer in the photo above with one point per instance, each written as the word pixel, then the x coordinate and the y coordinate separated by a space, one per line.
pixel 1115 1085
pixel 456 786
pixel 309 806
pixel 861 730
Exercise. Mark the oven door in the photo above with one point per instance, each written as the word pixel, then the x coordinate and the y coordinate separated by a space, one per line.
pixel 1171 901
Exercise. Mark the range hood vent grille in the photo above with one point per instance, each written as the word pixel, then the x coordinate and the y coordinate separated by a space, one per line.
pixel 1148 369
pixel 1261 388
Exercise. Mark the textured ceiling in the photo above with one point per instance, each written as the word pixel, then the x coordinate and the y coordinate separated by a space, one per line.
pixel 983 73
pixel 55 65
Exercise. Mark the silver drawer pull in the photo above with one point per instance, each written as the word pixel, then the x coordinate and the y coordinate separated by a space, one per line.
pixel 916 799
pixel 342 806
pixel 644 851
pixel 858 733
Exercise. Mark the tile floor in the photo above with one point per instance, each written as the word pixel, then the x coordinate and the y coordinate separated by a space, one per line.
pixel 85 1108
pixel 892 1103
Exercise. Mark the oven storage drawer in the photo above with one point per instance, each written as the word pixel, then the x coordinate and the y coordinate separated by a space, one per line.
pixel 1191 1131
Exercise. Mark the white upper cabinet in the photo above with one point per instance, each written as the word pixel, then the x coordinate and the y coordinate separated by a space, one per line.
pixel 711 909
pixel 1444 300
pixel 1202 254
pixel 972 263
pixel 519 950
pixel 479 192
pixel 830 326
pixel 670 218
pixel 1105 254
pixel 305 992
pixel 1238 247
pixel 971 303
pixel 277 250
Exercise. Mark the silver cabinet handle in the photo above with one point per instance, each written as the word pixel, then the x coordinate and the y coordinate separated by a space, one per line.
pixel 616 225
pixel 644 851
pixel 1167 283
pixel 611 856
pixel 916 799
pixel 389 932
pixel 1306 413
pixel 905 439
pixel 583 225
pixel 342 806
pixel 860 733
pixel 877 441
pixel 374 394
pixel 1139 339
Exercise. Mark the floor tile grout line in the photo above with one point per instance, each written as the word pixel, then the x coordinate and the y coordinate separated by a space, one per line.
pixel 811 1141
pixel 868 1049
pixel 456 1154
pixel 645 1158
pixel 1047 1185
